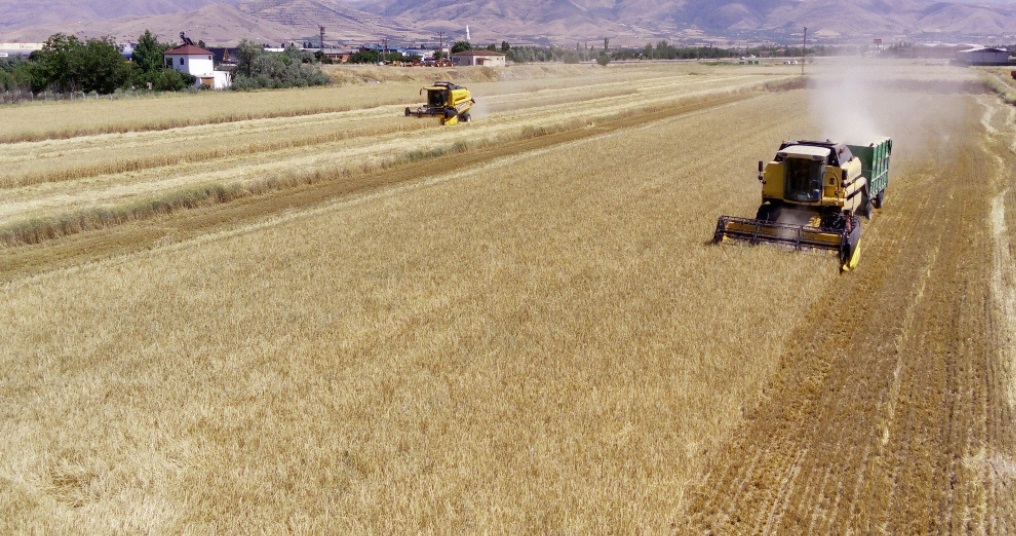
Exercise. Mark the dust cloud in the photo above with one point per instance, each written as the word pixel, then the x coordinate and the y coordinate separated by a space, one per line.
pixel 481 109
pixel 857 100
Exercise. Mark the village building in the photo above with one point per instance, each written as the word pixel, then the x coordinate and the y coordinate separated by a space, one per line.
pixel 19 50
pixel 197 62
pixel 487 58
pixel 983 56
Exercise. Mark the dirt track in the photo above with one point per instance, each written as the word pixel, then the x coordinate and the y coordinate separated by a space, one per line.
pixel 893 409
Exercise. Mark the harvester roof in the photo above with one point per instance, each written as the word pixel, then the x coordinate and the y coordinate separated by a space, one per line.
pixel 838 153
pixel 809 152
pixel 440 86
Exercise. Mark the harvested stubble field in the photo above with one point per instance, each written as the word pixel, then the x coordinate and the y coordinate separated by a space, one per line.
pixel 514 325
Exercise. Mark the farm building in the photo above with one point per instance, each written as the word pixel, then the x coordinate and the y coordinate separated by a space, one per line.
pixel 10 50
pixel 339 55
pixel 488 58
pixel 983 56
pixel 198 62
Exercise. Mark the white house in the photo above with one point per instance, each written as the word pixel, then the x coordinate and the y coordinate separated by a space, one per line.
pixel 479 57
pixel 983 56
pixel 197 62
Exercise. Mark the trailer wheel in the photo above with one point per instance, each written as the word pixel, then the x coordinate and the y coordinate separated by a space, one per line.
pixel 408 112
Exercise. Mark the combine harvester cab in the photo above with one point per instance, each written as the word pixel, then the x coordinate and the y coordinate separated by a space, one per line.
pixel 813 195
pixel 447 101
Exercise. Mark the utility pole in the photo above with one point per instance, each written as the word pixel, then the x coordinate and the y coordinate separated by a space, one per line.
pixel 322 29
pixel 804 50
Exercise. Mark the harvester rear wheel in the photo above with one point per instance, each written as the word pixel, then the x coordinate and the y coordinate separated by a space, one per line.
pixel 466 117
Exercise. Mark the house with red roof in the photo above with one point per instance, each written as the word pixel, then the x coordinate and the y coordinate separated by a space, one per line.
pixel 197 62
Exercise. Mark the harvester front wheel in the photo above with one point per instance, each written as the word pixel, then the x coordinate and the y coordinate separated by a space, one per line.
pixel 465 117
pixel 768 212
pixel 879 199
pixel 866 207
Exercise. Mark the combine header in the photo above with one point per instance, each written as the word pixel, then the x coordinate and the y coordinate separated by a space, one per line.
pixel 447 101
pixel 813 194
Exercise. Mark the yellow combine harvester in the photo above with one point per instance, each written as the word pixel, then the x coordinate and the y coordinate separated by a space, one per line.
pixel 813 193
pixel 447 101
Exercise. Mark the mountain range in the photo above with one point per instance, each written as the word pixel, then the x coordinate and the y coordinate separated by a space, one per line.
pixel 353 22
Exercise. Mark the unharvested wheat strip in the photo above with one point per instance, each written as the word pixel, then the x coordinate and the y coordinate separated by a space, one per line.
pixel 139 143
pixel 372 152
pixel 75 170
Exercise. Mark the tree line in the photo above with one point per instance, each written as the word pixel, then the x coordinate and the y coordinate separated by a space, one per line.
pixel 658 51
pixel 68 65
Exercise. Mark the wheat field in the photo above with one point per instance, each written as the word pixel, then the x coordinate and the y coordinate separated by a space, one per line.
pixel 516 326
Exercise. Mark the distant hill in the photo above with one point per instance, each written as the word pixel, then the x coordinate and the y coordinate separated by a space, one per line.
pixel 547 21
pixel 272 21
pixel 15 14
pixel 582 17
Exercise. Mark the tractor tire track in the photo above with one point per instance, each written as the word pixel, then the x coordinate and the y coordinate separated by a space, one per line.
pixel 883 408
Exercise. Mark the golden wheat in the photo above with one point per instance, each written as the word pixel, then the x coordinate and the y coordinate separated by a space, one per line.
pixel 58 186
pixel 540 341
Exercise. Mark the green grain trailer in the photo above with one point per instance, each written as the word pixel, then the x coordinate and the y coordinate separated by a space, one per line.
pixel 875 166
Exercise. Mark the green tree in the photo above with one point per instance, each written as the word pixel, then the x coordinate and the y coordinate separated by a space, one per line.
pixel 461 46
pixel 66 64
pixel 148 54
pixel 150 70
pixel 257 69
pixel 14 74
pixel 101 67
pixel 365 56
pixel 603 59
pixel 505 47
pixel 246 53
pixel 52 65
